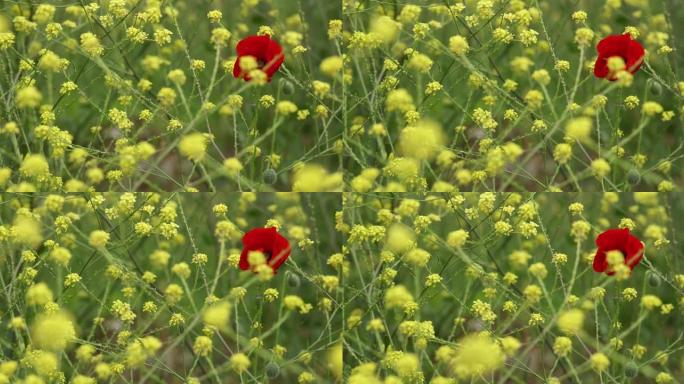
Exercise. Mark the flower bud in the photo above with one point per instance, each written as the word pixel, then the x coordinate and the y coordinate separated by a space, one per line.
pixel 633 177
pixel 272 370
pixel 270 176
pixel 287 86
pixel 631 370
pixel 293 280
pixel 653 279
pixel 654 87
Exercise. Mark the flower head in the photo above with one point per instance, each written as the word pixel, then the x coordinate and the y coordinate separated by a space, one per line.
pixel 268 241
pixel 478 355
pixel 617 240
pixel 267 53
pixel 53 332
pixel 621 46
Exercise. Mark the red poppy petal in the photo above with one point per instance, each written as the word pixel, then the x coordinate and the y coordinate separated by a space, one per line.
pixel 279 258
pixel 601 68
pixel 273 65
pixel 265 50
pixel 259 238
pixel 612 239
pixel 635 56
pixel 237 72
pixel 266 240
pixel 244 264
pixel 273 50
pixel 631 51
pixel 273 58
pixel 600 263
pixel 281 251
pixel 634 250
pixel 614 45
pixel 256 46
pixel 256 239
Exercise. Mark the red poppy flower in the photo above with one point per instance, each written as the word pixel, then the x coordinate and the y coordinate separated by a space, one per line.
pixel 267 52
pixel 622 46
pixel 270 242
pixel 617 240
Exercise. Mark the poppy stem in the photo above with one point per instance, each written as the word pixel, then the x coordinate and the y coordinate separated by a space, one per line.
pixel 222 248
pixel 280 309
pixel 577 77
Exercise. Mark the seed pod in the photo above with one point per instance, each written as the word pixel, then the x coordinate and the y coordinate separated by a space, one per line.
pixel 272 370
pixel 287 86
pixel 293 280
pixel 475 325
pixel 631 370
pixel 270 176
pixel 655 87
pixel 633 177
pixel 653 279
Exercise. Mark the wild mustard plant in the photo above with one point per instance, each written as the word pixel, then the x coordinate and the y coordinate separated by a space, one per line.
pixel 126 95
pixel 517 95
pixel 113 112
pixel 143 288
pixel 574 288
